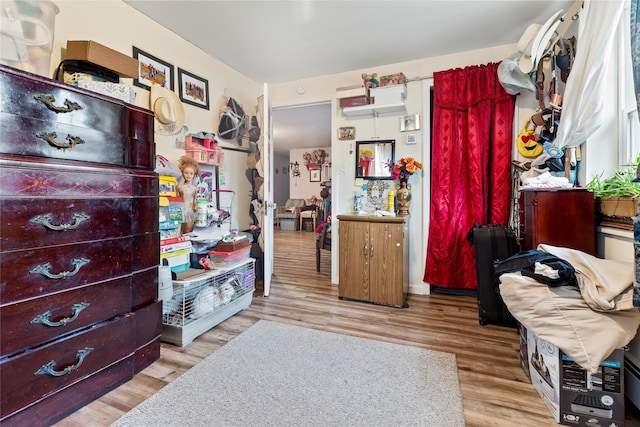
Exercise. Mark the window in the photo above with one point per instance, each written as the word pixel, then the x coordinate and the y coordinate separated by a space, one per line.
pixel 629 123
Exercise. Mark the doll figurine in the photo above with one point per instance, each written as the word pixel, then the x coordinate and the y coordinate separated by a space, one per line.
pixel 187 191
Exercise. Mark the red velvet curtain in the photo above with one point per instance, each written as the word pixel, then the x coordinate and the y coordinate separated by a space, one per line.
pixel 470 168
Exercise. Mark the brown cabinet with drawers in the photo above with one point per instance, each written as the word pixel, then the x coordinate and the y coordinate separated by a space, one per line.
pixel 559 217
pixel 79 247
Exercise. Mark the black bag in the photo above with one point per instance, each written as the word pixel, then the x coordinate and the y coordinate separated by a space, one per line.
pixel 492 242
pixel 232 120
pixel 73 66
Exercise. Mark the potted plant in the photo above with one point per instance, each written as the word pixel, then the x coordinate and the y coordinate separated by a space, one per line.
pixel 618 195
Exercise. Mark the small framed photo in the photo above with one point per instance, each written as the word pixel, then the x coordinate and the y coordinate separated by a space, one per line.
pixel 194 90
pixel 314 175
pixel 345 133
pixel 410 123
pixel 152 71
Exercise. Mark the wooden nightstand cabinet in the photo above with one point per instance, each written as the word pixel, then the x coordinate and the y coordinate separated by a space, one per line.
pixel 373 259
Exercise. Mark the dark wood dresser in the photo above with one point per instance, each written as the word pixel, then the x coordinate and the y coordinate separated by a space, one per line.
pixel 559 217
pixel 79 247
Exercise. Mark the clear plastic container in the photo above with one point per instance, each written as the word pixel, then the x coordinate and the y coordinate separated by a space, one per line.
pixel 227 259
pixel 26 34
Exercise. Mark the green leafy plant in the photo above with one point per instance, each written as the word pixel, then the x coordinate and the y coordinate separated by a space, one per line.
pixel 620 184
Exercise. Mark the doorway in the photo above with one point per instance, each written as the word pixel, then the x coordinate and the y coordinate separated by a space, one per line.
pixel 298 127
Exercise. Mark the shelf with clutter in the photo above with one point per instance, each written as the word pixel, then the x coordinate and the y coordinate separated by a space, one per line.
pixel 204 149
pixel 206 273
pixel 374 97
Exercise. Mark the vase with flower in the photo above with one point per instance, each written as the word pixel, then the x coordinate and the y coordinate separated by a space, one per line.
pixel 402 171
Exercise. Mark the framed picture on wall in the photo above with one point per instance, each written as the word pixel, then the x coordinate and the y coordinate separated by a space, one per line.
pixel 346 133
pixel 410 123
pixel 193 90
pixel 152 71
pixel 314 175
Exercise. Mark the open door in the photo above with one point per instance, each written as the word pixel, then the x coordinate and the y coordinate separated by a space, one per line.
pixel 269 206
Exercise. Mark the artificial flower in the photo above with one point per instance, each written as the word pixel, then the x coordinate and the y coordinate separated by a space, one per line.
pixel 405 167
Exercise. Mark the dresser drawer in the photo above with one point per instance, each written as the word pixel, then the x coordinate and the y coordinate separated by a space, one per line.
pixel 24 179
pixel 29 376
pixel 148 323
pixel 57 406
pixel 26 136
pixel 34 222
pixel 30 323
pixel 142 148
pixel 144 289
pixel 51 101
pixel 38 272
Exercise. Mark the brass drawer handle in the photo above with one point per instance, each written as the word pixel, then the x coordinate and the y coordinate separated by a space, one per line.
pixel 45 221
pixel 50 137
pixel 44 269
pixel 48 100
pixel 45 317
pixel 49 368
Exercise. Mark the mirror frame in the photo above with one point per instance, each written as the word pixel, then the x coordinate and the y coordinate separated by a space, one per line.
pixel 359 144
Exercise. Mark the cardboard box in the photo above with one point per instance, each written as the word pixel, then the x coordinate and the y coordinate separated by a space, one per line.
pixel 95 53
pixel 573 395
pixel 233 246
pixel 393 79
pixel 353 102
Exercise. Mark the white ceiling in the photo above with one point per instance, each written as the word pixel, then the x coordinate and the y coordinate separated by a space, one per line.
pixel 278 41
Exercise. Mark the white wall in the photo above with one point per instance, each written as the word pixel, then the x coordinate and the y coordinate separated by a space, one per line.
pixel 119 26
pixel 301 187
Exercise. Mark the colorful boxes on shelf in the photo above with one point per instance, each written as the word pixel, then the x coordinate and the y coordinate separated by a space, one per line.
pixel 393 79
pixel 352 96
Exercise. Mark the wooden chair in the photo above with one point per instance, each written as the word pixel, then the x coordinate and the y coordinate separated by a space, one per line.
pixel 311 215
pixel 323 241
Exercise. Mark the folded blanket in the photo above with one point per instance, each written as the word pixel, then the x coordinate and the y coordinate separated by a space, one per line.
pixel 587 323
pixel 605 285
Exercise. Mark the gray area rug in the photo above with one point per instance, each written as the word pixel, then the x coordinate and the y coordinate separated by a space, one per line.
pixel 275 374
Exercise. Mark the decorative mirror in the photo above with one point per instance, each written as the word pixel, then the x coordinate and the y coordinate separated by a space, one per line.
pixel 373 157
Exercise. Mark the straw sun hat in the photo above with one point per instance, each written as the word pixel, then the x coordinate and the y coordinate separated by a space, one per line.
pixel 167 109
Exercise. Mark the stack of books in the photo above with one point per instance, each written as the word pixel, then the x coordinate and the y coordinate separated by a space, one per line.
pixel 174 248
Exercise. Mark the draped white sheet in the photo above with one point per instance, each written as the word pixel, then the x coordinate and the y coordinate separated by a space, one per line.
pixel 584 91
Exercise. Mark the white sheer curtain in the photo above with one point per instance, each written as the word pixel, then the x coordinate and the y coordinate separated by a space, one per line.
pixel 583 96
pixel 635 47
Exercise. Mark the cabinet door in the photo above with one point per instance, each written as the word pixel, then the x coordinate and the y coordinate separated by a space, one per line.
pixel 386 263
pixel 354 260
pixel 563 218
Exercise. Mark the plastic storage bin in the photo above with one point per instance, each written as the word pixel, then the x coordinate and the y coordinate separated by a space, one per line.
pixel 26 39
pixel 227 259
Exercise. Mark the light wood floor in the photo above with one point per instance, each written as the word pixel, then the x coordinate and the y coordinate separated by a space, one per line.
pixel 496 391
